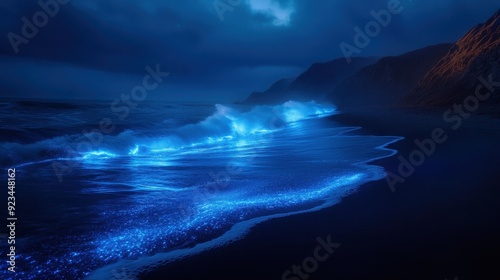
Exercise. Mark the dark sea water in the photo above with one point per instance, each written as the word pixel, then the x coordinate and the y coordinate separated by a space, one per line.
pixel 166 180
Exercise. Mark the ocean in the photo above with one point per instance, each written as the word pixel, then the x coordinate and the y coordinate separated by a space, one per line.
pixel 108 194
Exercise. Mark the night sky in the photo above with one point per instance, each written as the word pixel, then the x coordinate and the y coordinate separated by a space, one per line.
pixel 98 49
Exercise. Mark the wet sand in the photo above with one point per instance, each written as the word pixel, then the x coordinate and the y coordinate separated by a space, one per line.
pixel 442 222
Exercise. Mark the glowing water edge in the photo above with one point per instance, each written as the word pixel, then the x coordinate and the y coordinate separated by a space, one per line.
pixel 173 180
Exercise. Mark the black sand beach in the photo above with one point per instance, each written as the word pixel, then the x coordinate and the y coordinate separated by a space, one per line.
pixel 165 139
pixel 441 223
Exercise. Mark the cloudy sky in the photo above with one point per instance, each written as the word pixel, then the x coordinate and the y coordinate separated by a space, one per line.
pixel 214 50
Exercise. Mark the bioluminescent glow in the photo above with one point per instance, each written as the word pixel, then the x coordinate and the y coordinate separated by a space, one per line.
pixel 226 125
pixel 151 194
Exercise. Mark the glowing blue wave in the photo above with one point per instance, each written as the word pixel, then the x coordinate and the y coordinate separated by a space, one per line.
pixel 153 196
pixel 225 125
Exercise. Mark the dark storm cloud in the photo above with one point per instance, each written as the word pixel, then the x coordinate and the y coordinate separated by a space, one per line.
pixel 102 43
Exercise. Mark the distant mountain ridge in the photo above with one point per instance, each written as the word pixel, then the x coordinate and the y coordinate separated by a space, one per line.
pixel 314 83
pixel 432 76
pixel 388 80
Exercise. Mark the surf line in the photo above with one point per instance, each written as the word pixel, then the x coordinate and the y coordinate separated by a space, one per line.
pixel 121 107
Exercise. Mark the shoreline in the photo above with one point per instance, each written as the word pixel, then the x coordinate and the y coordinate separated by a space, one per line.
pixel 441 223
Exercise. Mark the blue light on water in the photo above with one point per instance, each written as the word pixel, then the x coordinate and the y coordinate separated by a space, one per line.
pixel 211 131
pixel 293 115
pixel 99 154
pixel 193 184
pixel 134 151
pixel 209 215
